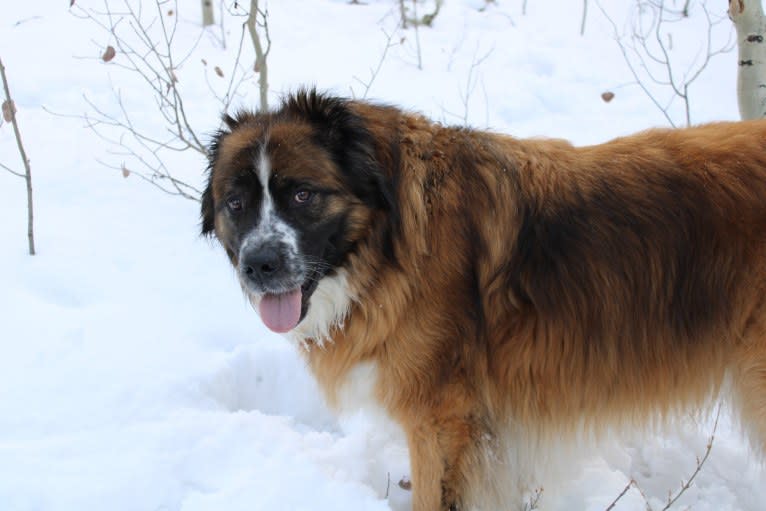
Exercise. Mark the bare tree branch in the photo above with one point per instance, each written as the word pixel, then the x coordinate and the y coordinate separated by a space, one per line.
pixel 244 76
pixel 621 495
pixel 374 72
pixel 700 462
pixel 472 81
pixel 584 17
pixel 19 174
pixel 534 500
pixel 146 45
pixel 647 53
pixel 153 64
pixel 673 498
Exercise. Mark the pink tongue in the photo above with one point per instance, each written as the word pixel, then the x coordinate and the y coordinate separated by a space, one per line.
pixel 281 312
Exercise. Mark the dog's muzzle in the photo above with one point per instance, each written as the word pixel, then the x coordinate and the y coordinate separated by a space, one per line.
pixel 269 268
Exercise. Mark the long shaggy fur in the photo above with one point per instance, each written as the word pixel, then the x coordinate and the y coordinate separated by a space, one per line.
pixel 509 289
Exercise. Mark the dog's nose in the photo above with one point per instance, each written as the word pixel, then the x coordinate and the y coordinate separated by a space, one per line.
pixel 262 263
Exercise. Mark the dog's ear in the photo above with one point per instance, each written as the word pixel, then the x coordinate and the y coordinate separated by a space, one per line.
pixel 229 121
pixel 371 165
pixel 207 206
pixel 239 118
pixel 345 134
pixel 207 211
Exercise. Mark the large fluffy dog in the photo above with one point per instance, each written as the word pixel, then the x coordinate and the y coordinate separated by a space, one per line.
pixel 488 291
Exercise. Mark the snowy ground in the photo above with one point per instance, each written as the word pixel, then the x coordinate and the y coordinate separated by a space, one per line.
pixel 133 374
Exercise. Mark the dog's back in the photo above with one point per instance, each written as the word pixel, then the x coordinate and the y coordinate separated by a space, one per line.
pixel 636 276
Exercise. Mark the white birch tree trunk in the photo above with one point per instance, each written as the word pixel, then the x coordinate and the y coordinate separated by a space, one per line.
pixel 750 24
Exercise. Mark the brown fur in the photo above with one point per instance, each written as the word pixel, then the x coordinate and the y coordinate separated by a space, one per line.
pixel 535 284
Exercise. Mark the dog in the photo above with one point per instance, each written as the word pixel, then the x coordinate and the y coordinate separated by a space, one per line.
pixel 489 292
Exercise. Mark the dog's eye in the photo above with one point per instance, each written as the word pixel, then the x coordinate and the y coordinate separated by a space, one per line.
pixel 234 204
pixel 302 196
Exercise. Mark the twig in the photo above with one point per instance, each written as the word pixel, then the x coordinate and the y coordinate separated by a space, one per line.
pixel 374 72
pixel 19 174
pixel 672 499
pixel 700 462
pixel 621 495
pixel 471 83
pixel 31 18
pixel 231 89
pixel 685 10
pixel 633 71
pixel 153 179
pixel 27 169
pixel 534 500
pixel 455 49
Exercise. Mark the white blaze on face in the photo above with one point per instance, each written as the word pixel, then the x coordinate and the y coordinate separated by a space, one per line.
pixel 263 168
pixel 270 228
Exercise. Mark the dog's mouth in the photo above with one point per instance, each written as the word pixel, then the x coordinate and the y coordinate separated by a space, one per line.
pixel 281 312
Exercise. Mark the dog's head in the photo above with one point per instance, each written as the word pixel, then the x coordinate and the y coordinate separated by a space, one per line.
pixel 290 194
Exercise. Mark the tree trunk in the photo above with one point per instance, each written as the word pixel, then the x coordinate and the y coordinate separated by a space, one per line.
pixel 25 160
pixel 207 13
pixel 750 23
pixel 403 14
pixel 261 64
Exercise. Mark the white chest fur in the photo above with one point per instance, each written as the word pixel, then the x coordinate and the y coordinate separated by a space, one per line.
pixel 330 305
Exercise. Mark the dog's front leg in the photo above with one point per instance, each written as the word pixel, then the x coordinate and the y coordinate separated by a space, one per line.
pixel 439 458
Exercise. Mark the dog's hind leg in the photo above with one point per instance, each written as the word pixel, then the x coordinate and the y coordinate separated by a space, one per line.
pixel 749 379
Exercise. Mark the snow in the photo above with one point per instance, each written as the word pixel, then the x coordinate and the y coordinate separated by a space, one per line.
pixel 134 374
